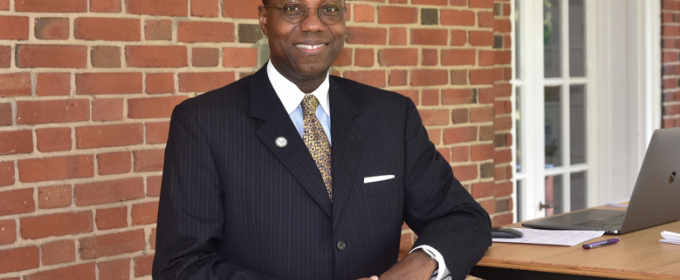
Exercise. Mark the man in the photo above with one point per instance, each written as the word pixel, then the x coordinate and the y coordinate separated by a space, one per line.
pixel 251 189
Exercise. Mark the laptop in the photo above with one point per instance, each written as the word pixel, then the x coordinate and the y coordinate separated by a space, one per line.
pixel 655 199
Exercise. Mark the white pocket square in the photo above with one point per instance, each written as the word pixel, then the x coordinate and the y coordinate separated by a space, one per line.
pixel 377 178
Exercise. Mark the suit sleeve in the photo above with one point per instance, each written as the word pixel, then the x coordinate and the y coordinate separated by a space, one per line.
pixel 437 208
pixel 190 214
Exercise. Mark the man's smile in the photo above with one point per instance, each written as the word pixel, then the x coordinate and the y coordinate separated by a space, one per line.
pixel 310 47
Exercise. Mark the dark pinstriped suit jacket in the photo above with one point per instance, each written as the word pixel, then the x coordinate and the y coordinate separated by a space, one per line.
pixel 234 205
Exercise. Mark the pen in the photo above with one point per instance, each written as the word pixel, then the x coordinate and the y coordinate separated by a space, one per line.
pixel 600 243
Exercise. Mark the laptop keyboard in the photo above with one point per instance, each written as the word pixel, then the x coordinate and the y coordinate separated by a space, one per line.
pixel 611 222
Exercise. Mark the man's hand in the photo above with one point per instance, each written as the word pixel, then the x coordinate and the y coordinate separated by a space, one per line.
pixel 416 266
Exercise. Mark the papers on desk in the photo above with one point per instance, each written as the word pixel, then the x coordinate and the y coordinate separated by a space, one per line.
pixel 552 237
pixel 670 237
pixel 620 203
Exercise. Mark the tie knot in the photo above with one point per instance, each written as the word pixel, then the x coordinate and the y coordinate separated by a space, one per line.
pixel 309 104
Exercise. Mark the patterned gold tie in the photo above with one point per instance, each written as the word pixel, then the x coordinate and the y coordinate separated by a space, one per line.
pixel 316 141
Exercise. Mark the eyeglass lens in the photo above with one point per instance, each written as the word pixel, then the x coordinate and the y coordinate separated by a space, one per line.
pixel 328 12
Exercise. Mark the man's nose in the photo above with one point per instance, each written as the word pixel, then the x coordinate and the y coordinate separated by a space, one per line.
pixel 312 22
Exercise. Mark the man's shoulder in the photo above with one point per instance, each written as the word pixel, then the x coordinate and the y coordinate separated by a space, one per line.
pixel 366 93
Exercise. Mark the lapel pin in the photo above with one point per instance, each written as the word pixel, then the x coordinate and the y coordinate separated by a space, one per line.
pixel 281 141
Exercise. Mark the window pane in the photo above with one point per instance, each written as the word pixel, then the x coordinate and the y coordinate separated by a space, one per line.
pixel 577 39
pixel 551 38
pixel 577 119
pixel 518 49
pixel 518 127
pixel 578 190
pixel 553 194
pixel 553 127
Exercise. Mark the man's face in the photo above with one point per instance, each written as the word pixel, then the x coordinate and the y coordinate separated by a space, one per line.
pixel 305 49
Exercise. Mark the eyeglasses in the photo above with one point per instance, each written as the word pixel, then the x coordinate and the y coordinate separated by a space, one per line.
pixel 328 12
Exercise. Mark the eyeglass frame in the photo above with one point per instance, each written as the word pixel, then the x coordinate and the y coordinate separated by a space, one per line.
pixel 280 8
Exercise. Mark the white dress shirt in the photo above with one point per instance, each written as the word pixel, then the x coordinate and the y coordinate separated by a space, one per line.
pixel 291 96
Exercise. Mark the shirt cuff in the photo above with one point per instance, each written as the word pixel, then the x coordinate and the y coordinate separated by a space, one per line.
pixel 442 271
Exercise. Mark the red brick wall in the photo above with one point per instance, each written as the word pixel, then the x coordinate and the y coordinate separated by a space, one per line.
pixel 87 88
pixel 670 35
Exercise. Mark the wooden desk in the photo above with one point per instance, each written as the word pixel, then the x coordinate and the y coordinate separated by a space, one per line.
pixel 639 255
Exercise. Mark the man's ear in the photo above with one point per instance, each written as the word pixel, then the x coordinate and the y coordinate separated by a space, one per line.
pixel 262 12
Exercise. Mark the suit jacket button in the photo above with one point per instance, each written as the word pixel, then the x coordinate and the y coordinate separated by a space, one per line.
pixel 340 245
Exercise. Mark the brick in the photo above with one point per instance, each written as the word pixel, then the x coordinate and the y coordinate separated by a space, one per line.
pixel 457 96
pixel 144 213
pixel 114 270
pixel 197 31
pixel 398 77
pixel 16 142
pixel 435 136
pixel 486 19
pixel 374 78
pixel 503 123
pixel 59 224
pixel 157 107
pixel 396 15
pixel 5 56
pixel 457 57
pixel 249 33
pixel 153 185
pixel 366 35
pixel 434 117
pixel 429 77
pixel 158 7
pixel 158 30
pixel 240 9
pixel 502 25
pixel 430 97
pixel 4 5
pixel 398 36
pixel 149 160
pixel 205 57
pixel 204 8
pixel 484 189
pixel 364 57
pixel 51 56
pixel 108 83
pixel 54 197
pixel 481 38
pixel 8 232
pixel 486 133
pixel 458 17
pixel 51 6
pixel 107 109
pixel 105 57
pixel 481 114
pixel 430 2
pixel 460 135
pixel 458 37
pixel 160 83
pixel 114 163
pixel 6 114
pixel 430 57
pixel 487 95
pixel 16 202
pixel 103 192
pixel 487 58
pixel 504 156
pixel 109 135
pixel 445 153
pixel 240 57
pixel 112 244
pixel 203 82
pixel 345 58
pixel 52 28
pixel 460 116
pixel 19 259
pixel 53 84
pixel 482 152
pixel 157 133
pixel 105 6
pixel 481 76
pixel 57 252
pixel 431 37
pixel 53 111
pixel 111 218
pixel 460 154
pixel 488 4
pixel 6 173
pixel 499 174
pixel 54 139
pixel 152 239
pixel 143 265
pixel 84 271
pixel 14 28
pixel 465 172
pixel 156 56
pixel 364 13
pixel 398 57
pixel 15 84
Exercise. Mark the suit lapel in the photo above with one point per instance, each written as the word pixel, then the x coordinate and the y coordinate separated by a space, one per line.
pixel 347 146
pixel 265 105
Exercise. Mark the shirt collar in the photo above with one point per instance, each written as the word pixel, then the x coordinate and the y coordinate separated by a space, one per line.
pixel 291 96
